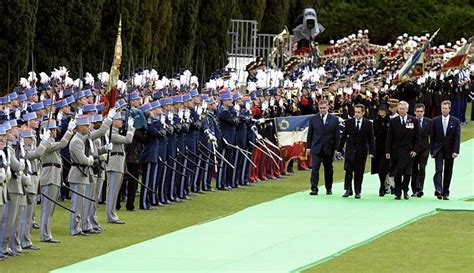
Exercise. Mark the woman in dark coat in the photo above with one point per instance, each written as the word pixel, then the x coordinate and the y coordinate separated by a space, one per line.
pixel 380 165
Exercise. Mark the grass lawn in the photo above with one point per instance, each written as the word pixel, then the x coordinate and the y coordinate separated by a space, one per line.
pixel 144 225
pixel 440 243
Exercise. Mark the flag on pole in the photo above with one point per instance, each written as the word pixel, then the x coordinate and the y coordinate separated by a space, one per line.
pixel 416 59
pixel 111 89
pixel 459 59
pixel 292 133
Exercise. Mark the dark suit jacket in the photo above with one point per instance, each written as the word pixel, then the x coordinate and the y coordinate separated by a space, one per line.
pixel 359 144
pixel 425 132
pixel 323 137
pixel 451 142
pixel 400 142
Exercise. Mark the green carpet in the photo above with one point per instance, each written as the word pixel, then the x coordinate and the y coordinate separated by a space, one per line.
pixel 287 234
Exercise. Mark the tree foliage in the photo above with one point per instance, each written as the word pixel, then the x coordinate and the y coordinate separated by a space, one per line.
pixel 172 34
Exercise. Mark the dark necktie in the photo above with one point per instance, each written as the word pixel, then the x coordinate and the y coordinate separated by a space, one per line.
pixel 403 122
pixel 421 123
pixel 358 125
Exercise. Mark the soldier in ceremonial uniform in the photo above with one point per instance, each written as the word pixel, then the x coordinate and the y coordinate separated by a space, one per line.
pixel 116 165
pixel 31 154
pixel 149 155
pixel 50 179
pixel 227 121
pixel 91 148
pixel 14 189
pixel 78 175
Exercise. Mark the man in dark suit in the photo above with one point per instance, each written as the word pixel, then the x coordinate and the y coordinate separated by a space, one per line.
pixel 402 146
pixel 419 163
pixel 445 143
pixel 359 134
pixel 323 138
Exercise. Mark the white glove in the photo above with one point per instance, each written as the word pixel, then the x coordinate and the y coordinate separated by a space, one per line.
pixel 272 102
pixel 264 105
pixel 59 116
pixel 288 95
pixel 46 135
pixel 22 164
pixel 17 113
pixel 9 173
pixel 170 116
pixel 163 119
pixel 130 121
pixel 204 104
pixel 248 107
pixel 109 147
pixel 180 114
pixel 111 113
pixel 259 136
pixel 71 125
pixel 90 160
pixel 199 110
pixel 260 121
pixel 3 176
pixel 237 107
pixel 6 111
pixel 79 112
pixel 212 138
pixel 187 114
pixel 280 102
pixel 313 95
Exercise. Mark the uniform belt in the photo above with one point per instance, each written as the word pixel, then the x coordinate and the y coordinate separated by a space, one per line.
pixel 51 165
pixel 34 173
pixel 117 153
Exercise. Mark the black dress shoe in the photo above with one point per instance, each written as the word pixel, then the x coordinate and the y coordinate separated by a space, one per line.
pixel 81 234
pixel 415 194
pixel 91 231
pixel 357 196
pixel 438 195
pixel 392 190
pixel 329 192
pixel 52 241
pixel 347 193
pixel 313 193
pixel 406 196
pixel 35 226
pixel 420 194
pixel 118 222
pixel 445 198
pixel 398 197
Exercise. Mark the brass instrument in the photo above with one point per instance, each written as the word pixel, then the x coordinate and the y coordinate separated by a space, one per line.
pixel 281 43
